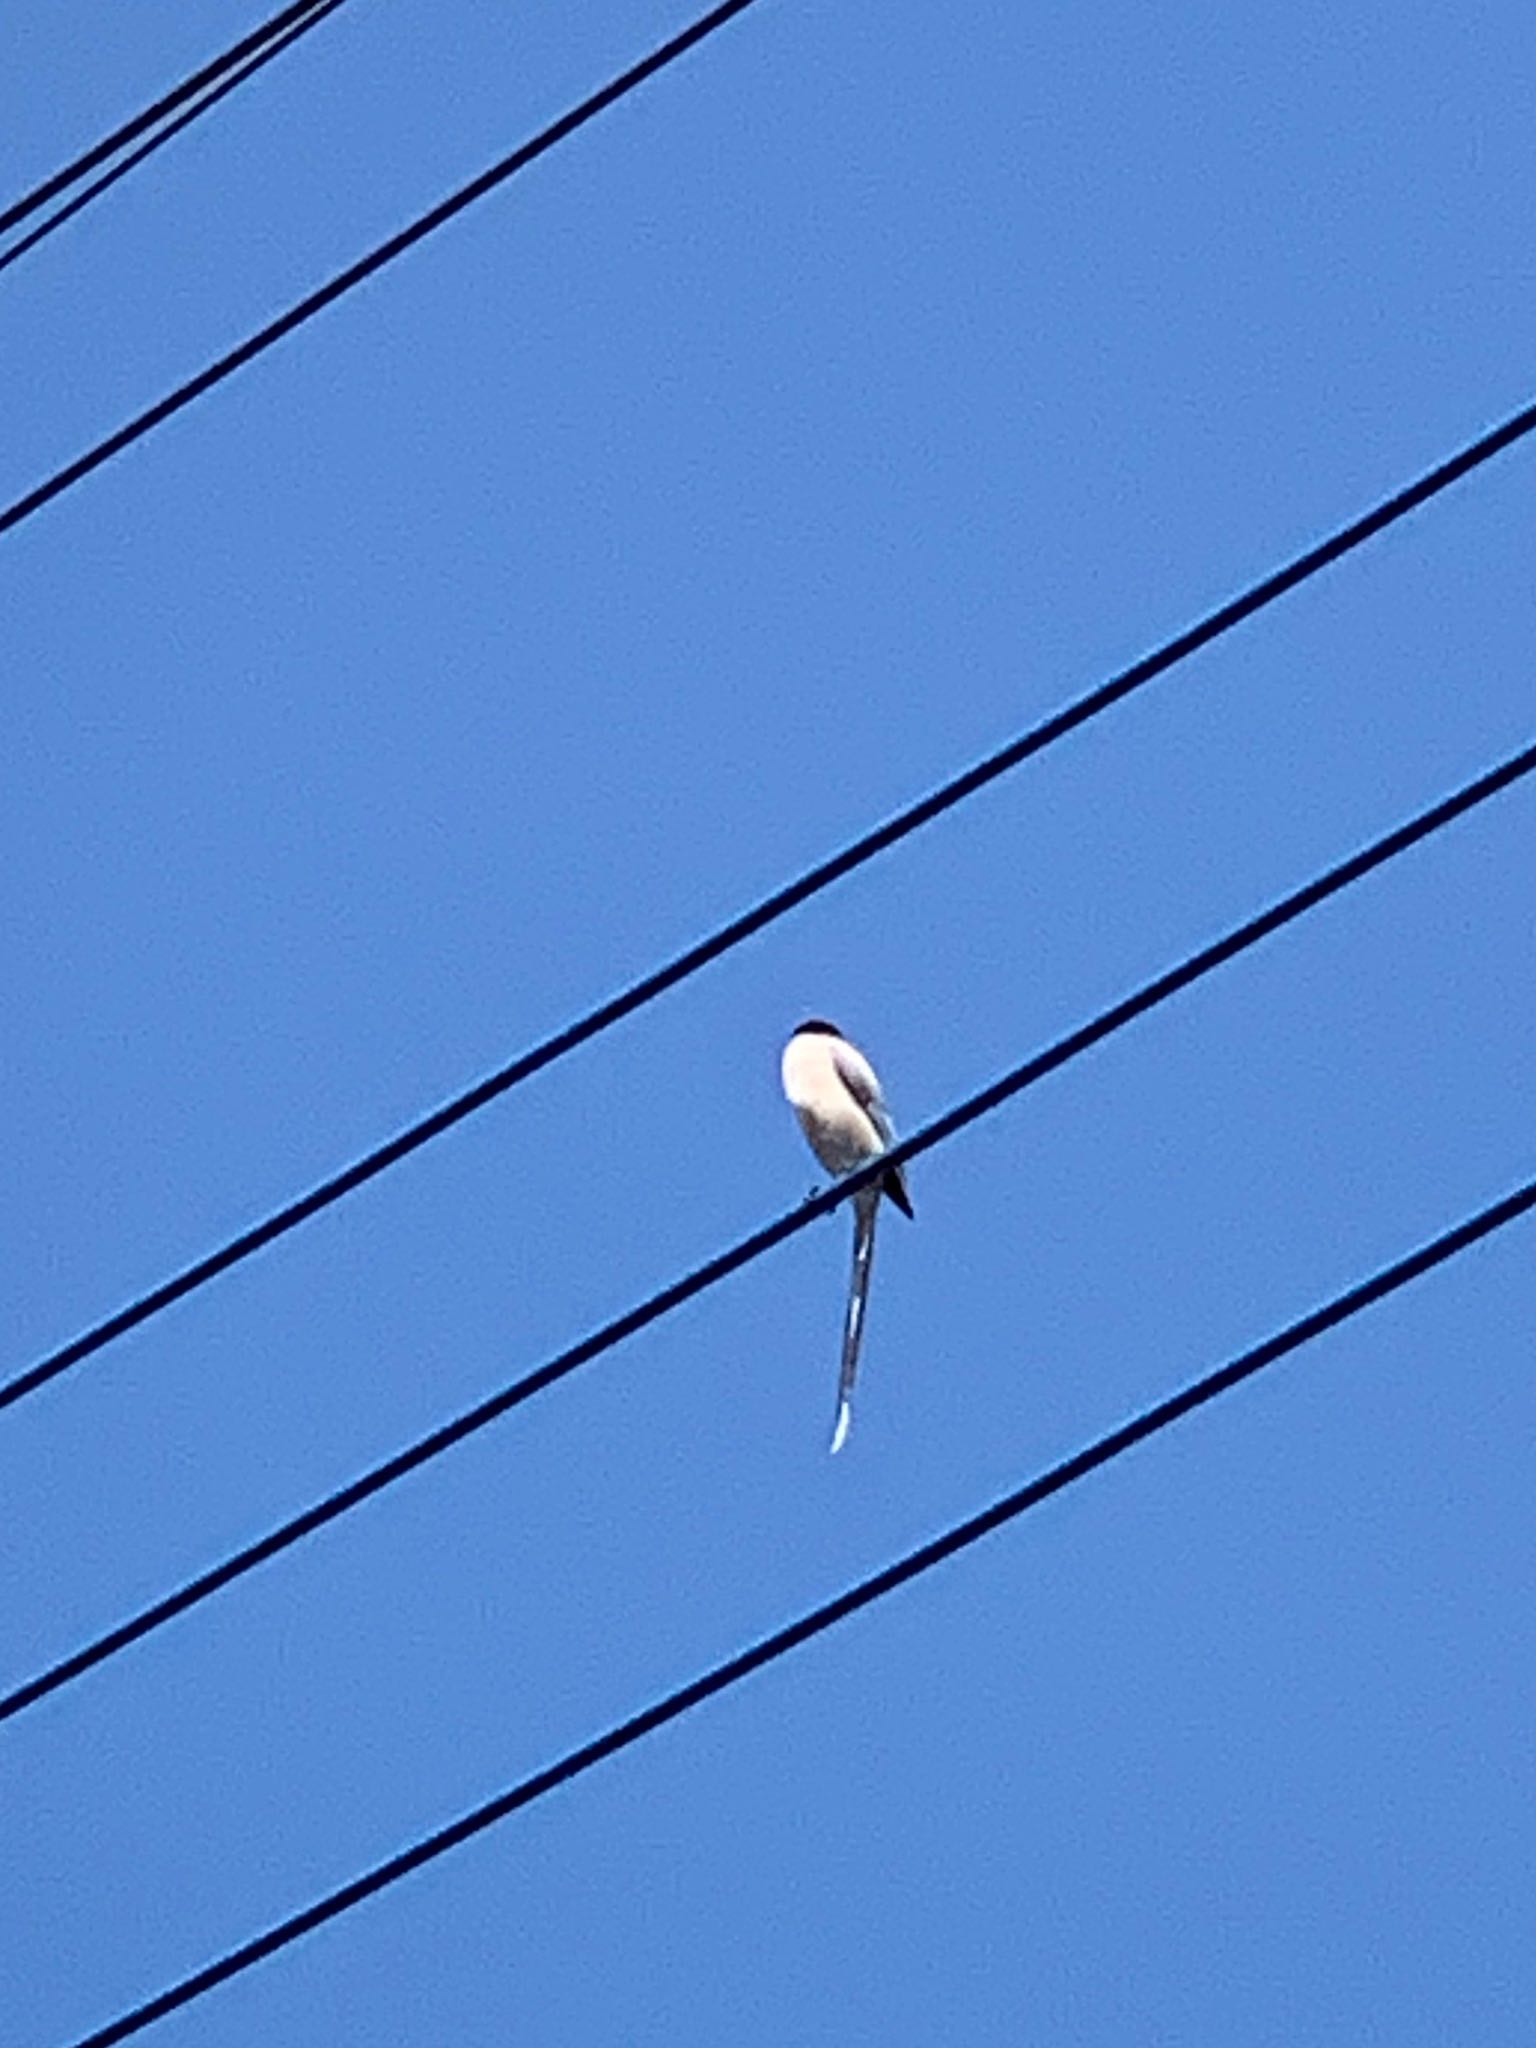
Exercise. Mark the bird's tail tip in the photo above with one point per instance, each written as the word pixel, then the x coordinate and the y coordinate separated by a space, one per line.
pixel 840 1431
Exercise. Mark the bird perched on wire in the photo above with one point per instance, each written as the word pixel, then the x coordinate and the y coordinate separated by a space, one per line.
pixel 833 1090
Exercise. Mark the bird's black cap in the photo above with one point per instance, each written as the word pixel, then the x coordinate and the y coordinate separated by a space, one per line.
pixel 817 1024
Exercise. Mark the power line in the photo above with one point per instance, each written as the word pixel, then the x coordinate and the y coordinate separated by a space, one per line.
pixel 60 181
pixel 354 274
pixel 808 1626
pixel 1057 726
pixel 227 84
pixel 194 1591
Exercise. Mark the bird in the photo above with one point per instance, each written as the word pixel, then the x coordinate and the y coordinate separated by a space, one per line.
pixel 834 1092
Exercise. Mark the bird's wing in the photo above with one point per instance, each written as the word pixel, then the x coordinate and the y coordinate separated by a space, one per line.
pixel 859 1078
pixel 865 1209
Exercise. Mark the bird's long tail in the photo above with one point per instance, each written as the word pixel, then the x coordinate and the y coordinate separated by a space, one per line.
pixel 866 1207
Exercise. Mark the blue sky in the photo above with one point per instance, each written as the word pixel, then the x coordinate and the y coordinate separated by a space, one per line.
pixel 862 390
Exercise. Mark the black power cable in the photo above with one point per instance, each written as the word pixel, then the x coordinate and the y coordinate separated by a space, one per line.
pixel 226 85
pixel 804 1630
pixel 436 1442
pixel 354 274
pixel 209 74
pixel 766 912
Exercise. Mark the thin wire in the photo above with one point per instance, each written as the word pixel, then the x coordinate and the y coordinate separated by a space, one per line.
pixel 60 181
pixel 808 1626
pixel 442 1439
pixel 104 183
pixel 767 911
pixel 365 266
